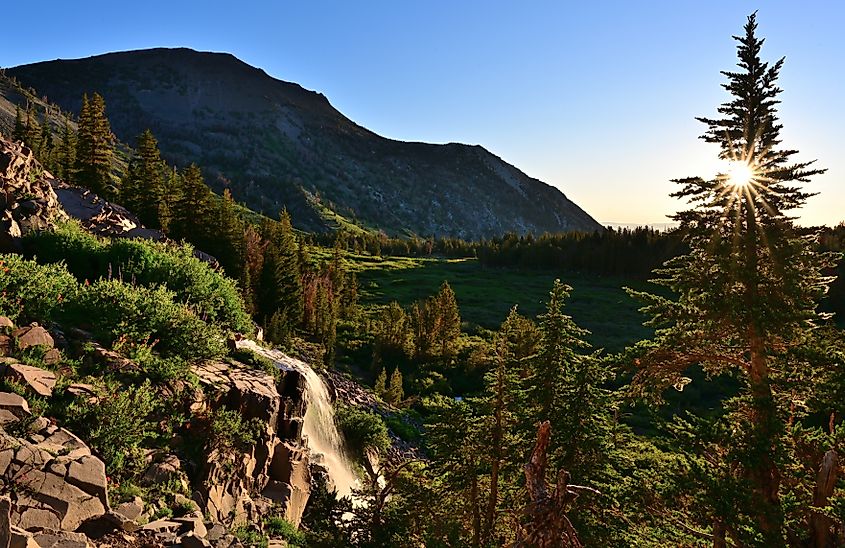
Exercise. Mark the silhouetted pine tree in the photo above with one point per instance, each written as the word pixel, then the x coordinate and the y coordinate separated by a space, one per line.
pixel 94 147
pixel 746 296
pixel 66 153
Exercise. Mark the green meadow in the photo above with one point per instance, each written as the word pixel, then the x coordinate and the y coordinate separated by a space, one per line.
pixel 485 295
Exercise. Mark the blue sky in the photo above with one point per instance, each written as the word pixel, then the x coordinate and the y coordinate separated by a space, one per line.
pixel 597 98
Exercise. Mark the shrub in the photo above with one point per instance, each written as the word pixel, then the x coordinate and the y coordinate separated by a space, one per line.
pixel 29 291
pixel 279 527
pixel 212 295
pixel 117 425
pixel 140 315
pixel 229 431
pixel 364 430
pixel 250 537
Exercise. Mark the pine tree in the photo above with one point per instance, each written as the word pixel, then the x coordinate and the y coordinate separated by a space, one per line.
pixel 193 208
pixel 449 320
pixel 32 130
pixel 228 236
pixel 395 392
pixel 19 131
pixel 94 147
pixel 144 190
pixel 66 153
pixel 380 387
pixel 748 288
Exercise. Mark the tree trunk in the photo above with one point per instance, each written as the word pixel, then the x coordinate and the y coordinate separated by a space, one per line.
pixel 476 512
pixel 498 435
pixel 719 534
pixel 825 482
pixel 764 474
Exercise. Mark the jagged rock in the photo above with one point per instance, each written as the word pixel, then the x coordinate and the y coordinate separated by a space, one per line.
pixel 215 532
pixel 29 202
pixel 60 539
pixel 21 539
pixel 32 335
pixel 83 391
pixel 52 357
pixel 38 381
pixel 6 345
pixel 131 510
pixel 12 408
pixel 6 322
pixel 167 468
pixel 55 481
pixel 236 485
pixel 113 362
pixel 5 522
pixel 194 541
pixel 193 525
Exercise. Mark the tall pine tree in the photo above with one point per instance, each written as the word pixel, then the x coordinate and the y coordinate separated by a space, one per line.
pixel 747 290
pixel 95 147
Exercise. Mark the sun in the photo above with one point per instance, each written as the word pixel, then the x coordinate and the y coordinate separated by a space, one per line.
pixel 740 174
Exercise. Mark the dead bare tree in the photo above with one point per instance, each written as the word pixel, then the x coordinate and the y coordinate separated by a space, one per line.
pixel 546 524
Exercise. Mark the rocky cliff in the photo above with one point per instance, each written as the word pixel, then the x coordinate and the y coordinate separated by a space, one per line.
pixel 276 144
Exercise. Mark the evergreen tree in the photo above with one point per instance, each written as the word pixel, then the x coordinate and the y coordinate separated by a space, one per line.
pixel 380 387
pixel 94 147
pixel 449 320
pixel 193 208
pixel 747 291
pixel 228 236
pixel 395 392
pixel 144 190
pixel 66 154
pixel 19 131
pixel 32 130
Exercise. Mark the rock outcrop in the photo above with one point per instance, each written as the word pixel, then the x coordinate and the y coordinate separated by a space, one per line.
pixel 238 487
pixel 54 480
pixel 27 199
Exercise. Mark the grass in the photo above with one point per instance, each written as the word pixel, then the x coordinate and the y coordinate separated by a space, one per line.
pixel 485 295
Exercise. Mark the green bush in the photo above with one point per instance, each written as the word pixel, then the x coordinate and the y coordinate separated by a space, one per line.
pixel 229 431
pixel 364 430
pixel 29 291
pixel 213 296
pixel 250 537
pixel 117 425
pixel 135 315
pixel 279 527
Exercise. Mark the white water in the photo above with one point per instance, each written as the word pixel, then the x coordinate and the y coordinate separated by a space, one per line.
pixel 318 427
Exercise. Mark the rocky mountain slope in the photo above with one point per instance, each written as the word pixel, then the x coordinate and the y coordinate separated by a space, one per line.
pixel 277 144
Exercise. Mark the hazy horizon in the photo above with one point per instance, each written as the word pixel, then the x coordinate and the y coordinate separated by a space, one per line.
pixel 597 100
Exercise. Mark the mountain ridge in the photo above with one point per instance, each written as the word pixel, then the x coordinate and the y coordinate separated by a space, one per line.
pixel 277 144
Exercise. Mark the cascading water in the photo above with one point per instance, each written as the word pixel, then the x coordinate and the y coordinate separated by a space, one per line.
pixel 318 425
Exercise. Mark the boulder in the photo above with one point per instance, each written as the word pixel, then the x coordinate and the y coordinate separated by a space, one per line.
pixel 194 541
pixel 131 510
pixel 6 323
pixel 32 335
pixel 38 381
pixel 21 539
pixel 48 538
pixel 86 392
pixel 28 200
pixel 6 345
pixel 12 408
pixel 5 522
pixel 54 480
pixel 165 469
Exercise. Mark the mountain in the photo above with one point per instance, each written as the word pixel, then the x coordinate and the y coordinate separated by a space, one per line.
pixel 277 144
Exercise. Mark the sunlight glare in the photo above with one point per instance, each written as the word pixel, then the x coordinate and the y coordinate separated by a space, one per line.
pixel 740 174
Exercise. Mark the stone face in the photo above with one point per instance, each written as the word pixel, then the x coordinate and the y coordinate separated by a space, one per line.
pixel 33 335
pixel 55 481
pixel 21 539
pixel 38 381
pixel 28 200
pixel 5 523
pixel 237 484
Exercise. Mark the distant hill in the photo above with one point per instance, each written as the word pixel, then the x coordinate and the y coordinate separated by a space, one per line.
pixel 277 144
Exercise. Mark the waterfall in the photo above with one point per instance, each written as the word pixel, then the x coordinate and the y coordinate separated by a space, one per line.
pixel 318 426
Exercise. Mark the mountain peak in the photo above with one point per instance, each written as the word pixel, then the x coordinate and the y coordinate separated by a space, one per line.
pixel 276 144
